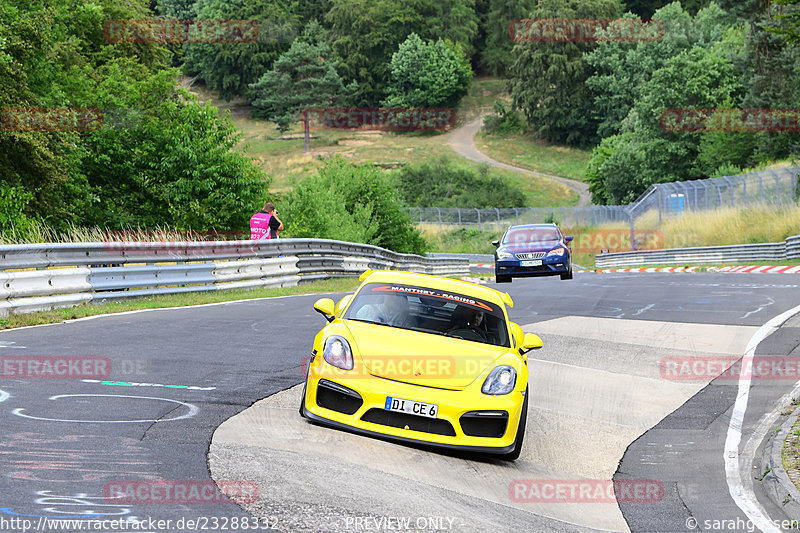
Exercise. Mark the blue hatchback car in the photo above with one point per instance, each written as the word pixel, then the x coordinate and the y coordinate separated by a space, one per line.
pixel 532 250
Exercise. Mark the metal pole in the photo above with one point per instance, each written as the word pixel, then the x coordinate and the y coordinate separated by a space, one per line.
pixel 440 216
pixel 730 186
pixel 480 228
pixel 744 185
pixel 459 217
pixel 777 190
pixel 516 217
pixel 633 239
pixel 660 205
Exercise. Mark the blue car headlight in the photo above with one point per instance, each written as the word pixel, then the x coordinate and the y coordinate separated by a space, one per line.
pixel 504 255
pixel 557 251
pixel 337 352
pixel 500 381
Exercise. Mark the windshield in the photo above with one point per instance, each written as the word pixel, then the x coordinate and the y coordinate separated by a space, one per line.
pixel 430 311
pixel 532 235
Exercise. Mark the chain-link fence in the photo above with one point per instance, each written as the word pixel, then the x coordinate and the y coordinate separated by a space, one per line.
pixel 768 188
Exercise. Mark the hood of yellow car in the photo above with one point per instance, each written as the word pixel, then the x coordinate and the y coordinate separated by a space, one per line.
pixel 420 358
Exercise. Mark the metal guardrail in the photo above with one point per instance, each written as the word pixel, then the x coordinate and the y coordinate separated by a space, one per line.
pixel 45 276
pixel 777 251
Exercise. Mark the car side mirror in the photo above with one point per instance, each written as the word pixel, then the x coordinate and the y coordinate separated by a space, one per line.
pixel 568 239
pixel 531 342
pixel 496 243
pixel 324 306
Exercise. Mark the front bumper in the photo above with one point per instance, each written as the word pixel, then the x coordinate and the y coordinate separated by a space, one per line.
pixel 550 266
pixel 447 430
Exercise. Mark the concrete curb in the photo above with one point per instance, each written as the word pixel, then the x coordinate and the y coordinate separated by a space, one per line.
pixel 777 484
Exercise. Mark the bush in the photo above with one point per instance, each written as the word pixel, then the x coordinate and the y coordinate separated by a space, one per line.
pixel 12 203
pixel 443 183
pixel 504 121
pixel 348 202
pixel 432 74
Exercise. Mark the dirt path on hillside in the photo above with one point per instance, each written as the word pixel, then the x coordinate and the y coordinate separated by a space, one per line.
pixel 462 141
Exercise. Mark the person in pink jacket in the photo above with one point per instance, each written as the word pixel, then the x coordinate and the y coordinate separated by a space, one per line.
pixel 265 224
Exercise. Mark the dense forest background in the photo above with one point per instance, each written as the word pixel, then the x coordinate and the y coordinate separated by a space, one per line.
pixel 161 157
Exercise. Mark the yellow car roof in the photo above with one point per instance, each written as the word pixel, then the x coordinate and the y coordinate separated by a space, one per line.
pixel 435 282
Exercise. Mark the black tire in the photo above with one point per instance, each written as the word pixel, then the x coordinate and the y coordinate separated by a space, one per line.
pixel 499 278
pixel 523 421
pixel 567 275
pixel 303 401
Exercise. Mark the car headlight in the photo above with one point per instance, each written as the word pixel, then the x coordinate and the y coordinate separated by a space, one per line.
pixel 504 255
pixel 337 352
pixel 557 251
pixel 501 381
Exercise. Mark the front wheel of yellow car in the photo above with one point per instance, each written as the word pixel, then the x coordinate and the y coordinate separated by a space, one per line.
pixel 523 419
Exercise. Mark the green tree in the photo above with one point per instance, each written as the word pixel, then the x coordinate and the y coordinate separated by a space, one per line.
pixel 432 74
pixel 177 9
pixel 548 78
pixel 622 70
pixel 351 202
pixel 364 33
pixel 230 67
pixel 787 20
pixel 168 162
pixel 300 79
pixel 49 56
pixel 496 56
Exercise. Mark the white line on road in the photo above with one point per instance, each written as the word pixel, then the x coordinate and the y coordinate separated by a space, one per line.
pixel 4 396
pixel 744 497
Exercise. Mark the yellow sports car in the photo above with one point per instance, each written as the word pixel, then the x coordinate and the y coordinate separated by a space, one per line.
pixel 422 359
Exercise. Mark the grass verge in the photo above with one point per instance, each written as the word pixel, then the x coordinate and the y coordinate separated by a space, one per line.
pixel 528 152
pixel 791 452
pixel 172 300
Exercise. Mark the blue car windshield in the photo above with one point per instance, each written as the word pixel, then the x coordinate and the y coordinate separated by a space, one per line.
pixel 532 236
pixel 430 310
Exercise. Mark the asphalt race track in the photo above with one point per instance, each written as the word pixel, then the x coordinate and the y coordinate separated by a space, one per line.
pixel 604 406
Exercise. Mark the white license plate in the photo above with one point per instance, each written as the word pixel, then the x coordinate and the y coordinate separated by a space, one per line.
pixel 399 405
pixel 534 263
